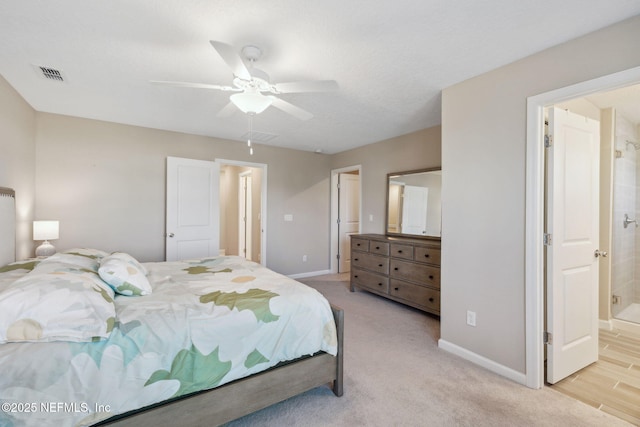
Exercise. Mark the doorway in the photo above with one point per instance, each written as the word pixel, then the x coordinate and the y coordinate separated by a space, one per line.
pixel 346 214
pixel 245 215
pixel 535 211
pixel 243 209
pixel 606 384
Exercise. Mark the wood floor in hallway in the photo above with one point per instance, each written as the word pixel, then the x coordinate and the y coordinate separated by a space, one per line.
pixel 612 384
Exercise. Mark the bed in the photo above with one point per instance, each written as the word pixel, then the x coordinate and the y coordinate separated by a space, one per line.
pixel 89 337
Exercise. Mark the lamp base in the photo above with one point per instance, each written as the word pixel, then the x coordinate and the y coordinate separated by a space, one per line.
pixel 45 249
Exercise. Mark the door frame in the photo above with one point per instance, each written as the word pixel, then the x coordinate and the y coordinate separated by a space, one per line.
pixel 535 209
pixel 335 238
pixel 263 204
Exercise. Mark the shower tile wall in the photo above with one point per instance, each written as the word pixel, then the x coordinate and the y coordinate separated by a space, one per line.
pixel 625 268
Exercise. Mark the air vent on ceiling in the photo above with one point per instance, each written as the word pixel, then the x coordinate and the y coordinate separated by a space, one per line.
pixel 50 73
pixel 258 136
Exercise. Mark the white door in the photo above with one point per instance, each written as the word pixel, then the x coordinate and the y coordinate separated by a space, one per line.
pixel 193 207
pixel 348 216
pixel 245 232
pixel 414 209
pixel 573 222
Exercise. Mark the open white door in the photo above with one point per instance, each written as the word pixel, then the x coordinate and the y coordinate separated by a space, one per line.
pixel 193 207
pixel 572 255
pixel 245 230
pixel 348 216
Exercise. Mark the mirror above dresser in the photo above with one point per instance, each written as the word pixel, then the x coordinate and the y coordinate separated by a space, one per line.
pixel 414 204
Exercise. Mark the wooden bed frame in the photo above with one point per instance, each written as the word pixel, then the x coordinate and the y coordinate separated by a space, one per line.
pixel 246 395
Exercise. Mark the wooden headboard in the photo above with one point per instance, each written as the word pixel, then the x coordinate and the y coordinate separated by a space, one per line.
pixel 7 225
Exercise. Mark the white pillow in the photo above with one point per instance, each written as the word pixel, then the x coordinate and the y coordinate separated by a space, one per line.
pixel 124 274
pixel 57 301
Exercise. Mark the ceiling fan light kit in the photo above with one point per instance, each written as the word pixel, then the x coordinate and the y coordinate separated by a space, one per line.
pixel 251 102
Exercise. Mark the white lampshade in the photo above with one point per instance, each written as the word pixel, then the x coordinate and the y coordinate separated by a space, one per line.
pixel 251 102
pixel 45 230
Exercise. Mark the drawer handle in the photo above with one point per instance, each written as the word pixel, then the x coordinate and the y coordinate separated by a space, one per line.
pixel 377 247
pixel 356 276
pixel 379 265
pixel 396 268
pixel 355 259
pixel 431 277
pixel 431 299
pixel 357 244
pixel 426 255
pixel 379 284
pixel 399 251
pixel 397 289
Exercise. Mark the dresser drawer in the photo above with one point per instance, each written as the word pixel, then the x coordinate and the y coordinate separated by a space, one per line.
pixel 359 244
pixel 401 251
pixel 370 262
pixel 369 280
pixel 428 255
pixel 414 272
pixel 426 297
pixel 380 248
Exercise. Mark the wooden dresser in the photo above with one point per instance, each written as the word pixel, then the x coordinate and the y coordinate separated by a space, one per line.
pixel 402 269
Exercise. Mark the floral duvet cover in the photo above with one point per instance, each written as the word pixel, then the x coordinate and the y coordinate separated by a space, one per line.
pixel 207 322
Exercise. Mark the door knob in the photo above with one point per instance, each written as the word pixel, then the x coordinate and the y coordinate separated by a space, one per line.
pixel 171 235
pixel 600 253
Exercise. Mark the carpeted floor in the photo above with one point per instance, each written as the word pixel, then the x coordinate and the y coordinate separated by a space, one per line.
pixel 395 375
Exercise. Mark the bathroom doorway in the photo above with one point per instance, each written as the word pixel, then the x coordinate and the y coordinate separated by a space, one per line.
pixel 611 383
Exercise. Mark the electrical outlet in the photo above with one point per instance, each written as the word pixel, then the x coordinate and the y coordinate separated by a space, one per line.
pixel 304 258
pixel 471 318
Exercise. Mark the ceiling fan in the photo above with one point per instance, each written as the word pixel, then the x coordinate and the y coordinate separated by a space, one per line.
pixel 255 91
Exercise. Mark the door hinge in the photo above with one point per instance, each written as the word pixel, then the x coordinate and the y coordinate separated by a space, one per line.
pixel 546 239
pixel 548 141
pixel 547 338
pixel 338 256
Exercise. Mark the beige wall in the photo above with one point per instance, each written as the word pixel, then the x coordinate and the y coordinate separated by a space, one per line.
pixel 105 183
pixel 416 150
pixel 17 161
pixel 483 206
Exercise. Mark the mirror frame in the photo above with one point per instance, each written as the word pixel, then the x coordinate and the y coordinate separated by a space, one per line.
pixel 386 212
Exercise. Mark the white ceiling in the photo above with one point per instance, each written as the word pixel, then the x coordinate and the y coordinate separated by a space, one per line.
pixel 390 58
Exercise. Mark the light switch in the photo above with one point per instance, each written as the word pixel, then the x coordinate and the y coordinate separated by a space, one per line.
pixel 288 217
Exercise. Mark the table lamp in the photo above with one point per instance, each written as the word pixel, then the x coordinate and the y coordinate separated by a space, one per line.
pixel 45 230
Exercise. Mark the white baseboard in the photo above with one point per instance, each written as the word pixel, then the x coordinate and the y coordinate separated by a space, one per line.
pixel 309 274
pixel 488 364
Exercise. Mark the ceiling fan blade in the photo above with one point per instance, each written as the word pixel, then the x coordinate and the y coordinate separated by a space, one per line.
pixel 195 85
pixel 227 111
pixel 290 108
pixel 233 60
pixel 310 86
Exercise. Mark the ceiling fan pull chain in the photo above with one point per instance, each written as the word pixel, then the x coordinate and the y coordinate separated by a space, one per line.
pixel 250 134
